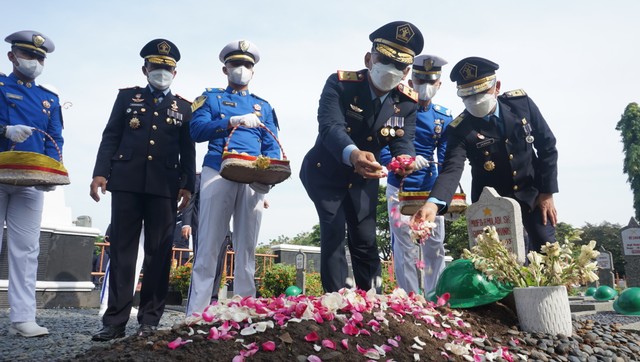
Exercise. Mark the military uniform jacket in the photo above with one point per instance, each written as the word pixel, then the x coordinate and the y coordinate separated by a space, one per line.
pixel 431 139
pixel 345 117
pixel 521 164
pixel 31 105
pixel 146 148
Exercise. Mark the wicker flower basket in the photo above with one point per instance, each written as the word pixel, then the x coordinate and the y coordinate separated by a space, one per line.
pixel 411 201
pixel 23 168
pixel 246 169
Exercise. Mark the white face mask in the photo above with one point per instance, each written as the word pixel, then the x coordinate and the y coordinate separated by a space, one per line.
pixel 479 105
pixel 240 75
pixel 426 91
pixel 385 77
pixel 160 79
pixel 30 68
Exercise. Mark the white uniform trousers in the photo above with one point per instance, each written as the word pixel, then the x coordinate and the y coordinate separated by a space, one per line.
pixel 405 250
pixel 220 199
pixel 104 291
pixel 21 208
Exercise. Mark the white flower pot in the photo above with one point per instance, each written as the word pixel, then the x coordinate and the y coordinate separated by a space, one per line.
pixel 544 309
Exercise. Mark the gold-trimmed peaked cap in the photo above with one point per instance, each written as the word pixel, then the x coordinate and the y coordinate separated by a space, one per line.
pixel 161 51
pixel 398 40
pixel 240 50
pixel 428 67
pixel 31 41
pixel 474 75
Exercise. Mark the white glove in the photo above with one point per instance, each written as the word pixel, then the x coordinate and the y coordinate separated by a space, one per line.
pixel 45 188
pixel 421 163
pixel 260 188
pixel 18 133
pixel 249 120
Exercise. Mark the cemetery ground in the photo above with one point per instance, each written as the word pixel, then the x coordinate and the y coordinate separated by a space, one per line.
pixel 491 330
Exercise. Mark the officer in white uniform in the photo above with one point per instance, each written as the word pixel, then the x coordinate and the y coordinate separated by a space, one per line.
pixel 24 105
pixel 431 125
pixel 215 113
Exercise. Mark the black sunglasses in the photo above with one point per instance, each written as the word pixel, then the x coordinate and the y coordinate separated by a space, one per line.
pixel 383 59
pixel 240 63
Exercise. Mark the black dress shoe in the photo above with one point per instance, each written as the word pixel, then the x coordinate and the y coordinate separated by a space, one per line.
pixel 108 333
pixel 146 330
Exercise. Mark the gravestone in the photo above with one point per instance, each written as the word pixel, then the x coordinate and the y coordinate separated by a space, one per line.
pixel 631 252
pixel 504 213
pixel 605 268
pixel 300 268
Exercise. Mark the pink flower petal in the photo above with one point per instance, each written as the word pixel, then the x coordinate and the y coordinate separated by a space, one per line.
pixel 313 358
pixel 392 342
pixel 443 299
pixel 345 343
pixel 311 337
pixel 238 358
pixel 327 343
pixel 213 333
pixel 269 346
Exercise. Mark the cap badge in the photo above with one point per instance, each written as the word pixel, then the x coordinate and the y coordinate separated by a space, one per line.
pixel 404 33
pixel 469 71
pixel 164 48
pixel 243 45
pixel 428 64
pixel 38 40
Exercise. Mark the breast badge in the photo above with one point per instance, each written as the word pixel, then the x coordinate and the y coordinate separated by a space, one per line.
pixel 489 166
pixel 137 98
pixel 134 123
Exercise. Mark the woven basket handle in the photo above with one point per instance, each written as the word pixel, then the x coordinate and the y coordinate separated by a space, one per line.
pixel 226 145
pixel 55 144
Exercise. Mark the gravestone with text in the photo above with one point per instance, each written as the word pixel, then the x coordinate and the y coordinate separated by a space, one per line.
pixel 504 213
pixel 631 252
pixel 605 268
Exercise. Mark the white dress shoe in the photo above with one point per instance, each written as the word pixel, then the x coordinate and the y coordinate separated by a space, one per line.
pixel 27 329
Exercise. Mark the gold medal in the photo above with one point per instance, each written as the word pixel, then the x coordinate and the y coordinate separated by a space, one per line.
pixel 384 131
pixel 489 166
pixel 134 123
pixel 399 132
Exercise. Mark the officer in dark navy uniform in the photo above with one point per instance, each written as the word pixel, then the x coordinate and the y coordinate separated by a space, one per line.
pixel 24 107
pixel 360 112
pixel 147 160
pixel 509 145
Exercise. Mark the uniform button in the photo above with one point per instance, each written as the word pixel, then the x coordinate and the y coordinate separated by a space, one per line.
pixel 348 129
pixel 511 156
pixel 318 164
pixel 515 172
pixel 222 115
pixel 486 153
pixel 152 142
pixel 120 156
pixel 143 109
pixel 350 185
pixel 369 138
pixel 515 188
pixel 168 120
pixel 506 141
pixel 155 113
pixel 154 127
pixel 149 157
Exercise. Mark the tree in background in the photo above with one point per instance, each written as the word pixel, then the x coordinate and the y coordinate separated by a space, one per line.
pixel 629 127
pixel 456 237
pixel 309 238
pixel 383 233
pixel 607 235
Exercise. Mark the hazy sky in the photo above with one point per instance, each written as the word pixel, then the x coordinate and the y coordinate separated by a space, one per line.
pixel 576 59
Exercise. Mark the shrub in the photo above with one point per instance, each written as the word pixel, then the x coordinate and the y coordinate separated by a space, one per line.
pixel 277 279
pixel 387 285
pixel 313 284
pixel 180 277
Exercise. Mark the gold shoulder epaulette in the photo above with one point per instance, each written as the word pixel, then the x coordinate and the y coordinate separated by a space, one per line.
pixel 350 76
pixel 198 102
pixel 408 91
pixel 134 87
pixel 182 98
pixel 515 93
pixel 458 119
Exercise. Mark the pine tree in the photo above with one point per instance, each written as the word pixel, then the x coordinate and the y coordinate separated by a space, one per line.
pixel 629 127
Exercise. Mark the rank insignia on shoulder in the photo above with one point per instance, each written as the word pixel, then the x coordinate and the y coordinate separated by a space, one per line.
pixel 442 110
pixel 198 102
pixel 182 98
pixel 457 121
pixel 408 91
pixel 515 93
pixel 350 76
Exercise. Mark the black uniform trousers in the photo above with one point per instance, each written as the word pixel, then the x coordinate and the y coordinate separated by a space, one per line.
pixel 361 239
pixel 128 211
pixel 537 234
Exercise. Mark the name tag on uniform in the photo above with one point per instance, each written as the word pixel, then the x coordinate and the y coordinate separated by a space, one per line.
pixel 14 96
pixel 485 143
pixel 230 104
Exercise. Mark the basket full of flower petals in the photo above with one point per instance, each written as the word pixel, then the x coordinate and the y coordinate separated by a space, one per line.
pixel 245 168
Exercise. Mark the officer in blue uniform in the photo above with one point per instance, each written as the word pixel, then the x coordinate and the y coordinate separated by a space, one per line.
pixel 216 112
pixel 148 158
pixel 360 112
pixel 431 125
pixel 509 145
pixel 25 105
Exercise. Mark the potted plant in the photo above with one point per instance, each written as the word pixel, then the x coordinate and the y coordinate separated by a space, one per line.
pixel 540 287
